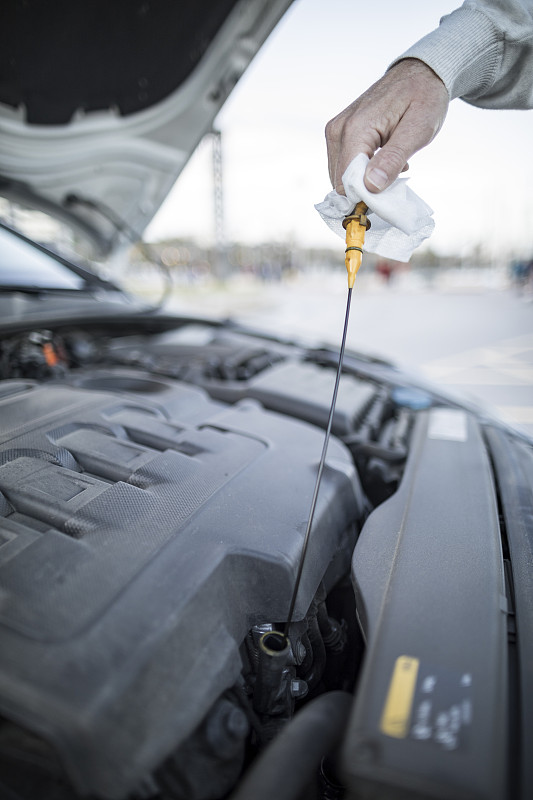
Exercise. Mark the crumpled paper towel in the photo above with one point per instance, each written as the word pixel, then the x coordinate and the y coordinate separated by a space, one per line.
pixel 400 219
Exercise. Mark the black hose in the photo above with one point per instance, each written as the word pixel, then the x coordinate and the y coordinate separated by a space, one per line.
pixel 313 677
pixel 394 455
pixel 286 767
pixel 274 649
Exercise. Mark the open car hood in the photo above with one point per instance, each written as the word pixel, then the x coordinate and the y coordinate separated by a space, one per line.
pixel 102 104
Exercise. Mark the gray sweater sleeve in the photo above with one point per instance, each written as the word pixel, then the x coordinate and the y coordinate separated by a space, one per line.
pixel 483 52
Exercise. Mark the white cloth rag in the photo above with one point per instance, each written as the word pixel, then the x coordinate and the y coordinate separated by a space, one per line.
pixel 400 220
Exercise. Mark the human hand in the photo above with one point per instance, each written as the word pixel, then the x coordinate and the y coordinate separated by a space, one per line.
pixel 400 114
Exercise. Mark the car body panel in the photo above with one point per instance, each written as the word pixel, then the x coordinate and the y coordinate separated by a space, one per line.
pixel 99 139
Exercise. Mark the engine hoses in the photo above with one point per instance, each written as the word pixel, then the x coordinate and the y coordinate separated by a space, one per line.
pixel 287 766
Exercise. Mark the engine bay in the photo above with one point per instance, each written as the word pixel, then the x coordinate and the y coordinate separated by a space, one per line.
pixel 154 492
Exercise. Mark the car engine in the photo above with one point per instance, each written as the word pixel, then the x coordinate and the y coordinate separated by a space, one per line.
pixel 154 492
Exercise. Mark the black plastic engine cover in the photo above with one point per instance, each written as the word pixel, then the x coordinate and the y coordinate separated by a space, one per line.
pixel 143 529
pixel 431 714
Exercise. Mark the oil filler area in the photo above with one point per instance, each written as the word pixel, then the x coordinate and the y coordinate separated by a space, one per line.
pixel 275 647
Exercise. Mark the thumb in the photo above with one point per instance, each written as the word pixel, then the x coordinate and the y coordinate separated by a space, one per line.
pixel 384 167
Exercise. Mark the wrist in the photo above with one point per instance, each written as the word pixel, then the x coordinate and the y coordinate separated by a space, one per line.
pixel 412 67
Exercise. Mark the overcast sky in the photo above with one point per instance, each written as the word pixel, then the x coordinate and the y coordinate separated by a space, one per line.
pixel 477 175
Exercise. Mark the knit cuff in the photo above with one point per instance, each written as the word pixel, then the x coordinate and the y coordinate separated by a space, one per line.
pixel 464 51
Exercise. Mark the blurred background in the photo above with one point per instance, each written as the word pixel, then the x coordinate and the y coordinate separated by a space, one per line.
pixel 238 236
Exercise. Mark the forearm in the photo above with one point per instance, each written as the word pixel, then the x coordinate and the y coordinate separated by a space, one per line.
pixel 483 53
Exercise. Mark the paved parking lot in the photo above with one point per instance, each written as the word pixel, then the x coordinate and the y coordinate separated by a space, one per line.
pixel 500 376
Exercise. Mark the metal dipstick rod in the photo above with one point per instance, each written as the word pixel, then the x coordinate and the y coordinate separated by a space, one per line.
pixel 356 224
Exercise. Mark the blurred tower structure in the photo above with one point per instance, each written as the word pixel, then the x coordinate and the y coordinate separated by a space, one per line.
pixel 220 265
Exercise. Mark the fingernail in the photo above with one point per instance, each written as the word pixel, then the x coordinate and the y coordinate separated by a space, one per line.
pixel 377 177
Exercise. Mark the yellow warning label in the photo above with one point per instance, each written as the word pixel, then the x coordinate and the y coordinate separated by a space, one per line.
pixel 399 702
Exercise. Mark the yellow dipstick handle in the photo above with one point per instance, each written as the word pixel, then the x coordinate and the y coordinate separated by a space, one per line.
pixel 355 225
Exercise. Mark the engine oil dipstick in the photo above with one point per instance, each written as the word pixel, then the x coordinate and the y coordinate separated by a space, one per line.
pixel 356 224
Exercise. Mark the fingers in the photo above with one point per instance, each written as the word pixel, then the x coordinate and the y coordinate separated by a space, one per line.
pixel 343 138
pixel 417 127
pixel 396 117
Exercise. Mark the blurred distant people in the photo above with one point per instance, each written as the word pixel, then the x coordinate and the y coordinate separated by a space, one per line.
pixel 385 270
pixel 522 274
